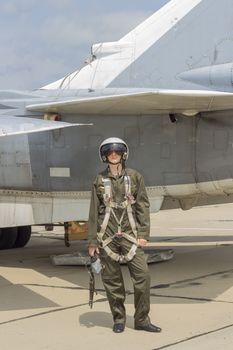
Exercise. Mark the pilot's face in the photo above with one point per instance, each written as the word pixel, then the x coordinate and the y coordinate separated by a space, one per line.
pixel 114 157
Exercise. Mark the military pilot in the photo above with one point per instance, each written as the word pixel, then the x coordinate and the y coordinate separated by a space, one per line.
pixel 119 225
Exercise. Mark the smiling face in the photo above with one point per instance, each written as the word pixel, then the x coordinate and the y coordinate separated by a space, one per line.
pixel 114 157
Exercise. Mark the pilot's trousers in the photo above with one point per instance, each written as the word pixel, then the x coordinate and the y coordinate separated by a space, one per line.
pixel 114 284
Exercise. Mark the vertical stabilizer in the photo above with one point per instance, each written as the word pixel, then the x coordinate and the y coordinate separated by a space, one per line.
pixel 182 36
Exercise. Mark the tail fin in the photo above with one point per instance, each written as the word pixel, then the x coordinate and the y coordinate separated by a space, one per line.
pixel 187 44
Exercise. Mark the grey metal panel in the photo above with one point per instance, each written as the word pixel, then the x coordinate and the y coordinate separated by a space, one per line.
pixel 214 151
pixel 39 148
pixel 15 167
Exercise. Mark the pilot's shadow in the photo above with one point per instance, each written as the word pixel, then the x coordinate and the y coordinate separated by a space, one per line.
pixel 100 319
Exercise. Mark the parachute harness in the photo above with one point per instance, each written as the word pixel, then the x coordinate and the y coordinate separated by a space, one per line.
pixel 127 207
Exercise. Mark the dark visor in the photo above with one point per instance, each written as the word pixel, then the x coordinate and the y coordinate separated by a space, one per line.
pixel 117 147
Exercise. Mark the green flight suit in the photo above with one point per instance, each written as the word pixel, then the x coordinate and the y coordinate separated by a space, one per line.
pixel 111 272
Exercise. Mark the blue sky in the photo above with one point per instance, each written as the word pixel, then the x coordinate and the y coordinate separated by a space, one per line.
pixel 42 41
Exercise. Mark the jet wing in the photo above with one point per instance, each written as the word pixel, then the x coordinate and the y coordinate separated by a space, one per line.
pixel 21 125
pixel 188 102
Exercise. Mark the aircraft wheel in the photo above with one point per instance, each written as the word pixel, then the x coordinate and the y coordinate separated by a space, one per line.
pixel 24 235
pixel 8 236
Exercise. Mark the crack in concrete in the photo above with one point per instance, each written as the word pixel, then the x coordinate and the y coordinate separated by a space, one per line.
pixel 193 337
pixel 167 285
pixel 50 312
pixel 191 298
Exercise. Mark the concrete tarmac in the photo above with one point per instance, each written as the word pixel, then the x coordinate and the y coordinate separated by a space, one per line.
pixel 46 307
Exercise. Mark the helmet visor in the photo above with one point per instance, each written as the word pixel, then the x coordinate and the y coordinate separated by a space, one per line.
pixel 119 148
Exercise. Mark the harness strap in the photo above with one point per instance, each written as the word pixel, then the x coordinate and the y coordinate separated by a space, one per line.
pixel 109 239
pixel 105 221
pixel 107 200
pixel 131 200
pixel 122 205
pixel 129 238
pixel 131 253
pixel 121 258
pixel 106 242
pixel 112 254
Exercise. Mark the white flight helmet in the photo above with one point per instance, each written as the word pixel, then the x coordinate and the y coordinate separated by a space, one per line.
pixel 113 144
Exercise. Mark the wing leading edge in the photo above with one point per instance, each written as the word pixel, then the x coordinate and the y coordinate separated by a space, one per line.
pixel 17 125
pixel 189 102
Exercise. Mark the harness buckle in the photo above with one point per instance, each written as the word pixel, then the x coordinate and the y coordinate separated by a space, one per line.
pixel 118 235
pixel 107 199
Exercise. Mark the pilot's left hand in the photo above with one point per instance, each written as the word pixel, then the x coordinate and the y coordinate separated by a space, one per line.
pixel 142 242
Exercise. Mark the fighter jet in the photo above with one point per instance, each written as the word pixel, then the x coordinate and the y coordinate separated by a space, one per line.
pixel 166 88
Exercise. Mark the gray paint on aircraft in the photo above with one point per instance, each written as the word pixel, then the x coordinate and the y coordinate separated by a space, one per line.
pixel 198 40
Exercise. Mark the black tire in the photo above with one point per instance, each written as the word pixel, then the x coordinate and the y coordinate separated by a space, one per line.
pixel 24 235
pixel 8 236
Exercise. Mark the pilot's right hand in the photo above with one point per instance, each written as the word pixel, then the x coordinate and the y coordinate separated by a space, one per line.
pixel 92 250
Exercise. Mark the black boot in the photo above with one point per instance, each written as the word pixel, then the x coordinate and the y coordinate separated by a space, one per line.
pixel 149 327
pixel 118 328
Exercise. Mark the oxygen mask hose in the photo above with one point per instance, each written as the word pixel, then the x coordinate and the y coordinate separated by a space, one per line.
pixel 93 267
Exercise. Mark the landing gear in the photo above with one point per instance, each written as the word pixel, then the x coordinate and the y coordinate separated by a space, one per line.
pixel 48 227
pixel 14 237
pixel 8 236
pixel 24 235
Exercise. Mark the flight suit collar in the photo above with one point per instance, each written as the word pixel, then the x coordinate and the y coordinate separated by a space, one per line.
pixel 108 173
